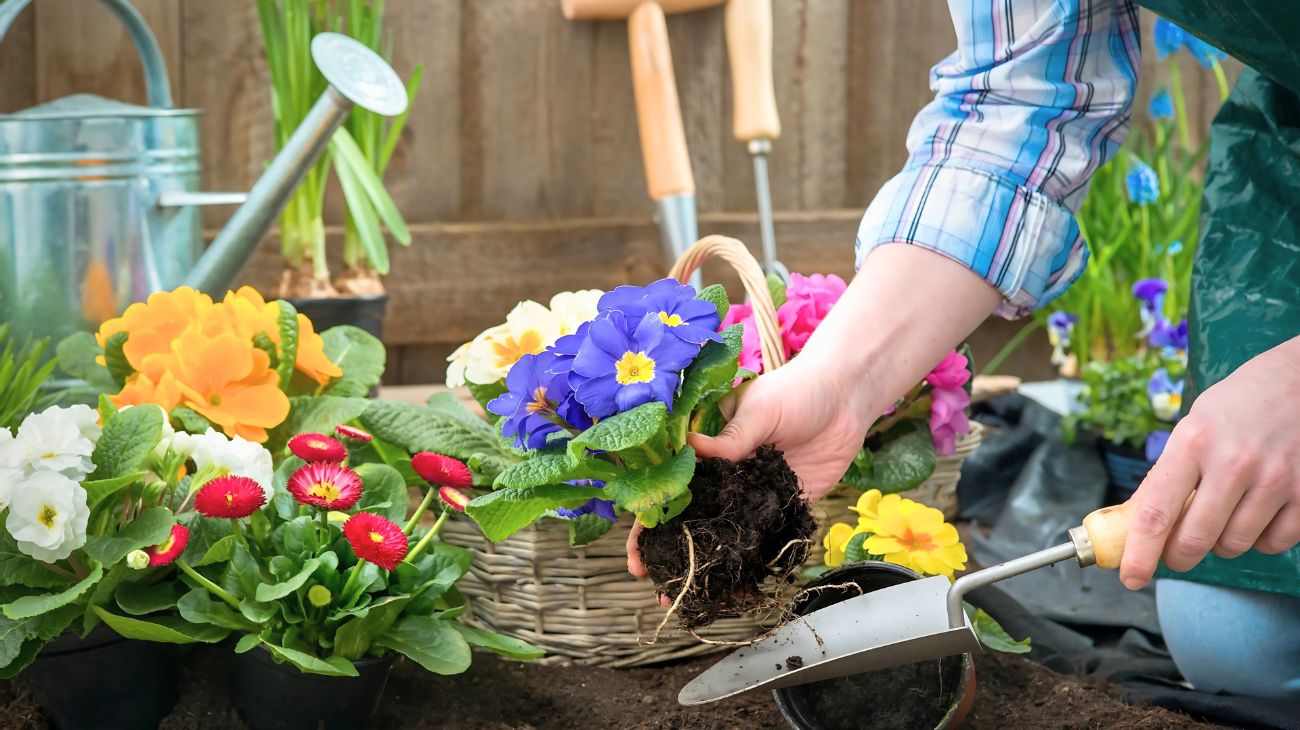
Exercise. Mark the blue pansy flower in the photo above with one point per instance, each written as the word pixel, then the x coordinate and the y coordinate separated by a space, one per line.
pixel 690 319
pixel 1169 336
pixel 1175 248
pixel 1165 394
pixel 1155 446
pixel 536 401
pixel 623 364
pixel 1143 184
pixel 1204 53
pixel 1060 325
pixel 1169 38
pixel 1150 294
pixel 1161 105
pixel 602 508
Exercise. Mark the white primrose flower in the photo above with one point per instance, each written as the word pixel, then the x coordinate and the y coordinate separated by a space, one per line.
pixel 84 417
pixel 232 456
pixel 48 515
pixel 456 364
pixel 528 329
pixel 9 475
pixel 573 308
pixel 57 439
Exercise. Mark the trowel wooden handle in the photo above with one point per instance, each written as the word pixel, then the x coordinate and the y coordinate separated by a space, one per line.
pixel 619 9
pixel 658 112
pixel 749 48
pixel 1107 530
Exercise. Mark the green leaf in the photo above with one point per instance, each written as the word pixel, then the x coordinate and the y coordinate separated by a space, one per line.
pixel 267 592
pixel 649 490
pixel 127 439
pixel 164 630
pixel 484 394
pixel 992 635
pixel 429 642
pixel 104 591
pixel 506 511
pixel 903 461
pixel 139 599
pixel 587 529
pixel 218 552
pixel 353 638
pixel 415 429
pixel 21 640
pixel 384 485
pixel 76 356
pixel 854 552
pixel 287 321
pixel 309 664
pixel 149 528
pixel 320 414
pixel 626 430
pixel 119 368
pixel 31 606
pixel 716 295
pixel 18 568
pixel 189 421
pixel 361 357
pixel 101 489
pixel 506 646
pixel 361 209
pixel 666 512
pixel 247 643
pixel 711 374
pixel 552 469
pixel 776 287
pixel 342 145
pixel 199 607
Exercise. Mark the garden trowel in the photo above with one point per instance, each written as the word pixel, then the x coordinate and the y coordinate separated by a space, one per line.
pixel 906 623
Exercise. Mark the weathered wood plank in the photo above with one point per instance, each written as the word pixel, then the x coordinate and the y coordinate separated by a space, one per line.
pixel 699 63
pixel 18 65
pixel 616 167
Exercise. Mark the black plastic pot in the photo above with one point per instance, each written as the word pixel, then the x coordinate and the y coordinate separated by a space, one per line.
pixel 1126 467
pixel 797 704
pixel 364 312
pixel 103 680
pixel 271 696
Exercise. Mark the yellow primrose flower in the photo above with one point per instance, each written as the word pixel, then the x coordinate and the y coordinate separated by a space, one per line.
pixel 915 536
pixel 866 508
pixel 836 541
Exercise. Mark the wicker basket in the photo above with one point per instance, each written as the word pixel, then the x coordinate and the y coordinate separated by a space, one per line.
pixel 581 602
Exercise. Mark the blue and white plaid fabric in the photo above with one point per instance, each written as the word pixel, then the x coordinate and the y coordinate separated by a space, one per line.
pixel 1033 101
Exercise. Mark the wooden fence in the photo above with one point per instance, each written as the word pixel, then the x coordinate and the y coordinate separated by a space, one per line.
pixel 520 169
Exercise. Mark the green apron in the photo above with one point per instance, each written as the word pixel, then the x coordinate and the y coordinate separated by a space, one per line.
pixel 1246 282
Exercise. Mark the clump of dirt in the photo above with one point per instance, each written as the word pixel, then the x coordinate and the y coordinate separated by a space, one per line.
pixel 912 696
pixel 747 523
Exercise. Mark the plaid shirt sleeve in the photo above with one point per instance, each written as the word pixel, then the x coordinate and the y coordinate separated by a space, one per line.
pixel 1033 101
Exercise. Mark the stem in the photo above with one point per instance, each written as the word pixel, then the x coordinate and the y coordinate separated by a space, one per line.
pixel 77 570
pixel 1012 345
pixel 651 454
pixel 419 511
pixel 424 541
pixel 1223 81
pixel 58 571
pixel 353 584
pixel 213 588
pixel 1180 108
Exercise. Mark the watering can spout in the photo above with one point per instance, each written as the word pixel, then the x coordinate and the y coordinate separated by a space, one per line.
pixel 356 75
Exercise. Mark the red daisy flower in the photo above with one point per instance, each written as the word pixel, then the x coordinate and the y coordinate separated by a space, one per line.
pixel 230 496
pixel 376 538
pixel 453 498
pixel 170 549
pixel 317 447
pixel 437 469
pixel 327 485
pixel 352 434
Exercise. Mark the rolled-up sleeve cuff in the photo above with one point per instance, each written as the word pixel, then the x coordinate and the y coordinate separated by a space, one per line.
pixel 1018 239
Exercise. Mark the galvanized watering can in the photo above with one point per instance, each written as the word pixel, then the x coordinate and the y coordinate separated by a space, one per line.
pixel 98 198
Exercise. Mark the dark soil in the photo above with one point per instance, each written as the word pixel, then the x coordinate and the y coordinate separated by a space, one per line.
pixel 748 523
pixel 498 694
pixel 912 696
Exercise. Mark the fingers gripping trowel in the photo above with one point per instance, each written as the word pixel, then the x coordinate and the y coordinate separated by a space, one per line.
pixel 754 119
pixel 923 619
pixel 663 137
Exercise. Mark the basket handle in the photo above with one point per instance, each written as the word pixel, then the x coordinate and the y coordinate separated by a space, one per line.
pixel 734 253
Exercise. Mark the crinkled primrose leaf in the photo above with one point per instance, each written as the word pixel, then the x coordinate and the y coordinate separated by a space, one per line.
pixel 620 432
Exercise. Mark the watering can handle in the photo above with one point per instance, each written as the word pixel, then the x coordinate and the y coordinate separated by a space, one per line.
pixel 155 72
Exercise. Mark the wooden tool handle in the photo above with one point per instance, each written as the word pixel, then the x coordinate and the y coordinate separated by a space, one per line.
pixel 1107 530
pixel 658 112
pixel 749 47
pixel 619 9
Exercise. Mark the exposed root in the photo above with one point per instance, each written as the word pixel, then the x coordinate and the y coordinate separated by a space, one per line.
pixel 787 546
pixel 686 587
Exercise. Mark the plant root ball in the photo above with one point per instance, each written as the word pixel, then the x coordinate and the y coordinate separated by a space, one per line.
pixel 748 522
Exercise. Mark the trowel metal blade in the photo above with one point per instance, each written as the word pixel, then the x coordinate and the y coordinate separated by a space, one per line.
pixel 886 628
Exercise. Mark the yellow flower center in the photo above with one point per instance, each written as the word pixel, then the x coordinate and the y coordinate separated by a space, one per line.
pixel 324 490
pixel 916 541
pixel 375 537
pixel 539 401
pixel 672 320
pixel 166 544
pixel 230 498
pixel 317 444
pixel 215 399
pixel 634 367
pixel 509 350
pixel 47 516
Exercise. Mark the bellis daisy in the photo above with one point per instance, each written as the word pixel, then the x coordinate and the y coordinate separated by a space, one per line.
pixel 352 434
pixel 317 447
pixel 438 470
pixel 235 456
pixel 230 497
pixel 325 484
pixel 166 552
pixel 376 539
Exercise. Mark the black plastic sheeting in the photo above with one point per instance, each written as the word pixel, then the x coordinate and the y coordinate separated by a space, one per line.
pixel 1031 487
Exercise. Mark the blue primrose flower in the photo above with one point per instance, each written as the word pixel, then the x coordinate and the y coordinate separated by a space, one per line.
pixel 1169 38
pixel 602 508
pixel 1168 336
pixel 1155 446
pixel 1143 184
pixel 690 319
pixel 624 363
pixel 1151 297
pixel 1161 105
pixel 537 400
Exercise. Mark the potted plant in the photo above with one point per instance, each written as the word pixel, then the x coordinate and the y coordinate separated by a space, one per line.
pixel 893 540
pixel 359 153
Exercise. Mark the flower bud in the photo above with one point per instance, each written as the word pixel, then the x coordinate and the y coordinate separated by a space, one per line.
pixel 137 560
pixel 319 596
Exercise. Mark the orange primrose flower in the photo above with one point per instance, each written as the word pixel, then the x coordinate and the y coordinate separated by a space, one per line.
pixel 231 383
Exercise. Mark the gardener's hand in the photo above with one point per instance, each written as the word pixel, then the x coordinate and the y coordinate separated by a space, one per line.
pixel 1239 448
